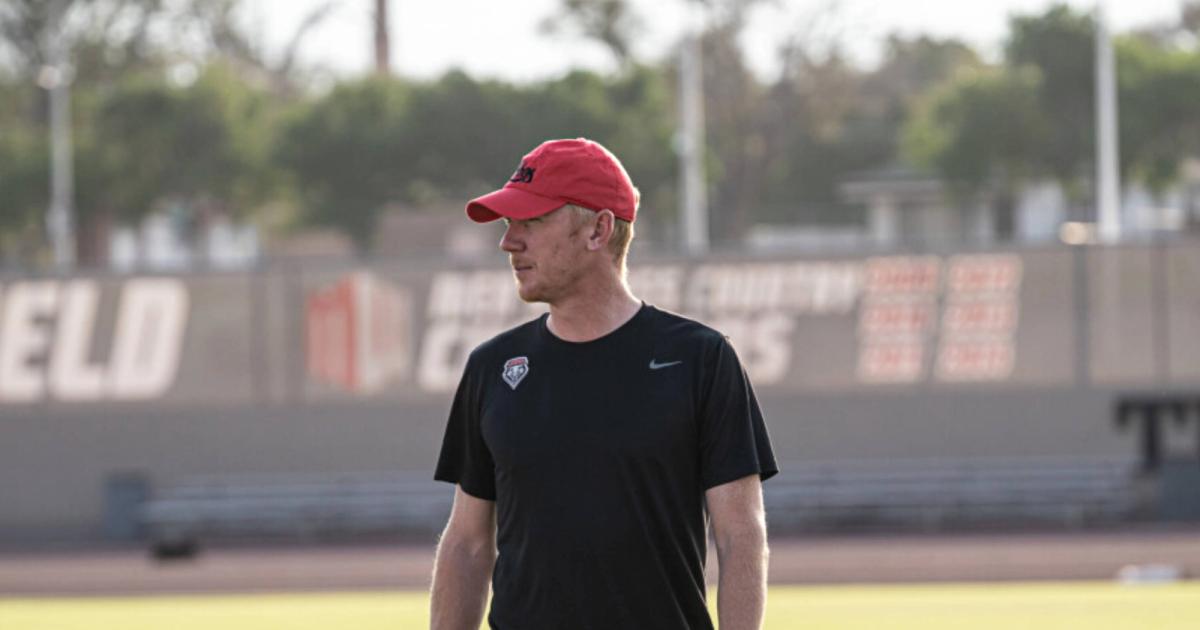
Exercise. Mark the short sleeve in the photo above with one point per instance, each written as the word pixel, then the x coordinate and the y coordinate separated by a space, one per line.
pixel 465 459
pixel 733 435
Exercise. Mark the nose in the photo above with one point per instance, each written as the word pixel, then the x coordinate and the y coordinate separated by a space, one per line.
pixel 509 242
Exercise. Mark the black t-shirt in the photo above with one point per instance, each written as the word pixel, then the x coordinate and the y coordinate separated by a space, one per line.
pixel 597 455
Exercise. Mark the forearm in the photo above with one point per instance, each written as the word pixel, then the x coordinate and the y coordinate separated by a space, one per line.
pixel 742 586
pixel 461 574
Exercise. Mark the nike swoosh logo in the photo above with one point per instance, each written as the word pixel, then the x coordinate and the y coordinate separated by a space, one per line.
pixel 654 365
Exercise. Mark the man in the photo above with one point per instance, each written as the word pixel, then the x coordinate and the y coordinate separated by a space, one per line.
pixel 588 445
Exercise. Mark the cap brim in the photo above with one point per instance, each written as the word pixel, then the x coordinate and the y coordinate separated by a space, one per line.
pixel 511 203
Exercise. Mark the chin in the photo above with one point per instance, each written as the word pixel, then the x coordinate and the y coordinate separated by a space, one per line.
pixel 530 295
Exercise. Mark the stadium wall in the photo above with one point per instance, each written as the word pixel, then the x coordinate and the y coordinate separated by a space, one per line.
pixel 319 369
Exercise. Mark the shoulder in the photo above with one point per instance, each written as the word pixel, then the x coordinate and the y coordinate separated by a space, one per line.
pixel 676 335
pixel 675 327
pixel 517 339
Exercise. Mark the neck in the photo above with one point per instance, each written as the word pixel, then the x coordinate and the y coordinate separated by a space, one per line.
pixel 592 314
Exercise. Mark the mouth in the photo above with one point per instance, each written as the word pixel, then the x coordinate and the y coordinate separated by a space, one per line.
pixel 518 268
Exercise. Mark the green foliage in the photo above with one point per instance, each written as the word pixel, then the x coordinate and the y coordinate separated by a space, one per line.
pixel 982 126
pixel 345 152
pixel 382 141
pixel 146 141
pixel 243 135
pixel 1160 125
pixel 140 140
pixel 819 135
pixel 835 120
pixel 24 161
pixel 983 131
pixel 1034 116
pixel 910 69
pixel 1061 45
pixel 631 114
pixel 462 135
pixel 642 105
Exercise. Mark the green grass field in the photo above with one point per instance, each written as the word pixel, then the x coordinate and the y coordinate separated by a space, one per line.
pixel 1091 606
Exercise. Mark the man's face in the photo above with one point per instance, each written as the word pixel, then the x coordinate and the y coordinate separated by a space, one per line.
pixel 546 254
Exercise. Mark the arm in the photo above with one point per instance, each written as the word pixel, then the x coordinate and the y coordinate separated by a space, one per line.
pixel 740 530
pixel 463 565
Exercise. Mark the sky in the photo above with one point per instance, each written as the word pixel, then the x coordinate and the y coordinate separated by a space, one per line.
pixel 505 40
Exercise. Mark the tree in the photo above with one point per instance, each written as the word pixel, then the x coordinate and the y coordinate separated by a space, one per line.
pixel 104 38
pixel 345 154
pixel 631 113
pixel 140 137
pixel 24 173
pixel 610 22
pixel 827 119
pixel 980 132
pixel 911 67
pixel 214 22
pixel 1060 44
pixel 1158 88
pixel 733 101
pixel 382 142
pixel 201 149
pixel 1034 117
pixel 738 145
pixel 642 134
pixel 1189 18
pixel 101 51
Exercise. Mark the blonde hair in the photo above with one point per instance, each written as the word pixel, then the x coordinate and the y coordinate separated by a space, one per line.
pixel 622 235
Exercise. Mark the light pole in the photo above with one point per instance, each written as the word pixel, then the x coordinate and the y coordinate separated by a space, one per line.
pixel 694 189
pixel 56 78
pixel 1108 186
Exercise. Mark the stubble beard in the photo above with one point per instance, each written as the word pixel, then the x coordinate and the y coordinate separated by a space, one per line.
pixel 549 290
pixel 556 279
pixel 535 293
pixel 530 296
pixel 531 292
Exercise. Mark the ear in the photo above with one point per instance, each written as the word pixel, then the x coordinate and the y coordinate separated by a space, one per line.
pixel 601 231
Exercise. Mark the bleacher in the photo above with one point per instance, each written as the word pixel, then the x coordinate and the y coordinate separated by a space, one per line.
pixel 307 507
pixel 843 495
pixel 938 494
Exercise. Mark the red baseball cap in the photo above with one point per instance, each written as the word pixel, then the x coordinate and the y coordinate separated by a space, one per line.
pixel 558 172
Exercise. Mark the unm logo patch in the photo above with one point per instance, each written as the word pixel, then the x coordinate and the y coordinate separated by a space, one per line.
pixel 515 370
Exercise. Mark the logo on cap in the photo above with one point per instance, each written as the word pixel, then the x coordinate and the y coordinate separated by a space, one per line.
pixel 515 370
pixel 523 175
